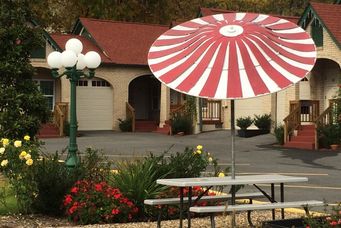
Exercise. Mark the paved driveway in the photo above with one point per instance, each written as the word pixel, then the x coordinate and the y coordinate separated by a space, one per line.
pixel 253 155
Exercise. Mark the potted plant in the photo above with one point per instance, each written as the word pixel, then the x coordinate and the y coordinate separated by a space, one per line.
pixel 243 123
pixel 263 123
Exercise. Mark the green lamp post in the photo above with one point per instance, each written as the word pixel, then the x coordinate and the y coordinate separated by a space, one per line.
pixel 74 64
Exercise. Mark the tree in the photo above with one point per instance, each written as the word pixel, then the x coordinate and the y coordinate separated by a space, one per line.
pixel 22 106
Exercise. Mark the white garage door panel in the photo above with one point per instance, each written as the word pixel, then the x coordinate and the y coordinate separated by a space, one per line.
pixel 94 108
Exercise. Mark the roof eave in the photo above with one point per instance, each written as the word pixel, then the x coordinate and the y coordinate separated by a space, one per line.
pixel 303 23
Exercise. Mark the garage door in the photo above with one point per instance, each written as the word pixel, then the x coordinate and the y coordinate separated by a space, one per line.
pixel 94 105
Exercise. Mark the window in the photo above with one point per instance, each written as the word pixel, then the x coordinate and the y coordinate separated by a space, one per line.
pixel 47 89
pixel 39 52
pixel 82 83
pixel 100 83
pixel 317 33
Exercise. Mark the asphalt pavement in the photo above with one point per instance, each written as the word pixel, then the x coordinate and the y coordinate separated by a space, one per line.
pixel 256 155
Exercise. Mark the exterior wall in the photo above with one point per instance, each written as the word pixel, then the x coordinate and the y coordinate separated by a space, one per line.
pixel 253 106
pixel 119 77
pixel 283 102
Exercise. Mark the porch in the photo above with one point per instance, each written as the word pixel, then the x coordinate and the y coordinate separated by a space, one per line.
pixel 302 123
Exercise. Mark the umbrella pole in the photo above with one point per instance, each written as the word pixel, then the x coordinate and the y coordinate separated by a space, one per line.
pixel 233 164
pixel 233 171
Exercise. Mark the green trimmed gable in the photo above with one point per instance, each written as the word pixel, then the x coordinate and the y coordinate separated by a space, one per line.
pixel 317 25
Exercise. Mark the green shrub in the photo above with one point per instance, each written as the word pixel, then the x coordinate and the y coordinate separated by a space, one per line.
pixel 329 134
pixel 244 122
pixel 125 125
pixel 279 134
pixel 263 122
pixel 181 123
pixel 189 163
pixel 18 160
pixel 53 180
pixel 137 180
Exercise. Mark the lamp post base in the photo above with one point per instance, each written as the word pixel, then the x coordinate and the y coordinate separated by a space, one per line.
pixel 72 161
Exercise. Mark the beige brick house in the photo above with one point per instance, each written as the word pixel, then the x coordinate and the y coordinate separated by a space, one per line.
pixel 124 80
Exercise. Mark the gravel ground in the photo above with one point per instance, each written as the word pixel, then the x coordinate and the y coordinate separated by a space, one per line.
pixel 222 221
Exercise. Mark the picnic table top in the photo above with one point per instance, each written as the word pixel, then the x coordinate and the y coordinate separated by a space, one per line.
pixel 239 180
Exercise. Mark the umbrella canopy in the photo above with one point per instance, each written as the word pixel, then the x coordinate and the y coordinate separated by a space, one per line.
pixel 232 56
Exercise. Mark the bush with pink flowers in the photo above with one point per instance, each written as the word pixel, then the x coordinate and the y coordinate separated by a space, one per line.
pixel 91 202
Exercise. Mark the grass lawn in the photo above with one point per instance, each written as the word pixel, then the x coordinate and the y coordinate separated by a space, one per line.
pixel 8 202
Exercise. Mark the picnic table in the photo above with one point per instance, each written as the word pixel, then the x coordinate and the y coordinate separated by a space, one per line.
pixel 209 182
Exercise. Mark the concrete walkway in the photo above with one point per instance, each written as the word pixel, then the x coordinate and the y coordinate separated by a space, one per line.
pixel 253 155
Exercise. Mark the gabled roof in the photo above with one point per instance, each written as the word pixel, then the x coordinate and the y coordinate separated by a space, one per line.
pixel 123 42
pixel 212 11
pixel 329 15
pixel 61 39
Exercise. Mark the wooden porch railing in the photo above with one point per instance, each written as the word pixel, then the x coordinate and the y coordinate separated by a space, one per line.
pixel 326 118
pixel 176 109
pixel 130 114
pixel 300 111
pixel 292 122
pixel 60 116
pixel 211 111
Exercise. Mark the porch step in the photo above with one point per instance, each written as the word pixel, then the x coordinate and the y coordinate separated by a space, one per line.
pixel 48 130
pixel 305 138
pixel 145 125
pixel 166 129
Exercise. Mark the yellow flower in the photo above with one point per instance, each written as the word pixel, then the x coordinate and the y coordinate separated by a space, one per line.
pixel 27 138
pixel 17 143
pixel 2 150
pixel 114 171
pixel 198 152
pixel 210 159
pixel 27 157
pixel 199 147
pixel 22 155
pixel 221 174
pixel 29 162
pixel 5 142
pixel 4 163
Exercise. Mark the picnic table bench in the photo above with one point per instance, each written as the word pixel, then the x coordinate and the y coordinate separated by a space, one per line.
pixel 213 198
pixel 212 210
pixel 254 180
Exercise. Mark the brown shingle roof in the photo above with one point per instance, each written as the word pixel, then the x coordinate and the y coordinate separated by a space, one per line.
pixel 211 11
pixel 330 14
pixel 124 42
pixel 61 39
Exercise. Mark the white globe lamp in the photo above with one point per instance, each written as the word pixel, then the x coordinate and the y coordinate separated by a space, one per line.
pixel 54 60
pixel 69 58
pixel 92 59
pixel 74 45
pixel 80 62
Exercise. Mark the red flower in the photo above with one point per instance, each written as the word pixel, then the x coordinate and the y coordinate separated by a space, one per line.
pixel 171 210
pixel 98 187
pixel 115 211
pixel 117 195
pixel 135 210
pixel 74 190
pixel 68 199
pixel 333 223
pixel 73 208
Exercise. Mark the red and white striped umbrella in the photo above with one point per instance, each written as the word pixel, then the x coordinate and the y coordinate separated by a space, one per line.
pixel 232 56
